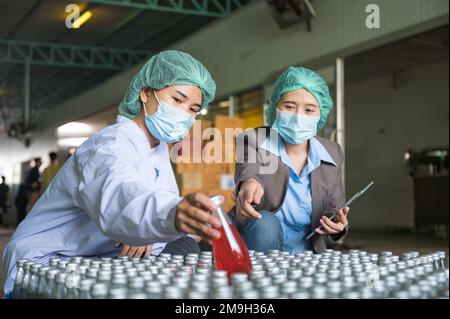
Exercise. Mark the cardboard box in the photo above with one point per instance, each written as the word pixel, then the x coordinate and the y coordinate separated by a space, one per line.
pixel 188 168
pixel 214 168
pixel 222 122
pixel 191 180
pixel 230 168
pixel 211 180
pixel 212 191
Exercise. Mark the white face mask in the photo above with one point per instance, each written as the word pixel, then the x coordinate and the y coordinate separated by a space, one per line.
pixel 295 128
pixel 168 123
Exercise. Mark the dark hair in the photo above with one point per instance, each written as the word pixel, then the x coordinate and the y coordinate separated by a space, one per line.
pixel 52 155
pixel 37 159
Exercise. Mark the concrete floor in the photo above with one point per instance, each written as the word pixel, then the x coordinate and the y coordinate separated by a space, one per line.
pixel 374 242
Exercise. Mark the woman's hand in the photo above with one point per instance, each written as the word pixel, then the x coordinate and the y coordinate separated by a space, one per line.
pixel 134 252
pixel 251 192
pixel 332 228
pixel 194 217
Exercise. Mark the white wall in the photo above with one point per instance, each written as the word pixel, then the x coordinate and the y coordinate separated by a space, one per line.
pixel 415 115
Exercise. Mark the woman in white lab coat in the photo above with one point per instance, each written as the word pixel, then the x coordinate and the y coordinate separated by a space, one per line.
pixel 119 186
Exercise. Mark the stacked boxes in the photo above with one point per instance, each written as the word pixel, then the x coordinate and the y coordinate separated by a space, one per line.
pixel 213 175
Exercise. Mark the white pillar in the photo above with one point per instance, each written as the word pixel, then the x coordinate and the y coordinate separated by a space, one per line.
pixel 340 108
pixel 231 105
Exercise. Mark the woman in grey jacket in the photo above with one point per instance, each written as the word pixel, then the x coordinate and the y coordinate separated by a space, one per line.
pixel 287 179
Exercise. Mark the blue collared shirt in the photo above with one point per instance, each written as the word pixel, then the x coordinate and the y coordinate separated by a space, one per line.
pixel 296 210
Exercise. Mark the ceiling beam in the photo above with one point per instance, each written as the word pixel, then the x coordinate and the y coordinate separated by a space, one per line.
pixel 48 90
pixel 30 12
pixel 56 93
pixel 206 8
pixel 68 55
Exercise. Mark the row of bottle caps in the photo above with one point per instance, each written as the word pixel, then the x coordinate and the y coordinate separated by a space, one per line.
pixel 278 274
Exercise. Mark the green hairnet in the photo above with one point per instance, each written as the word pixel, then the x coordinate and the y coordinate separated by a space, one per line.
pixel 167 68
pixel 295 78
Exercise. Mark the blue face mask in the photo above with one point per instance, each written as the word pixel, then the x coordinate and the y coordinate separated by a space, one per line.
pixel 168 123
pixel 295 128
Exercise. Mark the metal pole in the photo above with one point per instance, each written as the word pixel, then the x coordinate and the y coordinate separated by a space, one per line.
pixel 340 108
pixel 26 91
pixel 231 105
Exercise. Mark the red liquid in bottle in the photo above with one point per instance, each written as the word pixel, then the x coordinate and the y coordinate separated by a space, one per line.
pixel 230 252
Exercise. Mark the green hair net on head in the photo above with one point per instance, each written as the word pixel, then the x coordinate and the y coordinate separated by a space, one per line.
pixel 295 78
pixel 167 68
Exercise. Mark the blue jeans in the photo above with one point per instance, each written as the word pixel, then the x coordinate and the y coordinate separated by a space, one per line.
pixel 263 234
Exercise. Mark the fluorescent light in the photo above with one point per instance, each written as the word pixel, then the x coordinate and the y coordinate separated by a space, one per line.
pixel 82 19
pixel 74 129
pixel 71 141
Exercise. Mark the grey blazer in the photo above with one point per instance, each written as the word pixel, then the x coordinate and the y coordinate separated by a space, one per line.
pixel 327 190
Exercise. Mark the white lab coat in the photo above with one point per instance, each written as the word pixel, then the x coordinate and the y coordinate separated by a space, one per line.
pixel 114 188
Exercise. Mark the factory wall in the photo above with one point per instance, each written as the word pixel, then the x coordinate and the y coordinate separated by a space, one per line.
pixel 383 122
